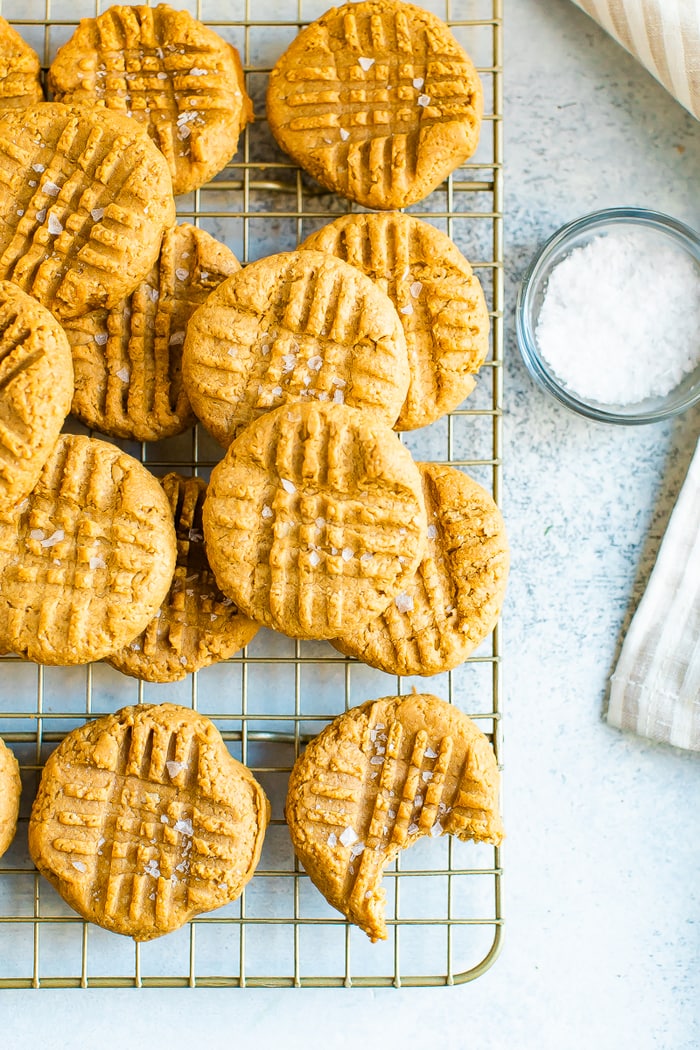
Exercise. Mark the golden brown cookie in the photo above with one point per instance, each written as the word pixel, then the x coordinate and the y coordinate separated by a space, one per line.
pixel 196 625
pixel 173 74
pixel 314 519
pixel 454 600
pixel 128 360
pixel 89 558
pixel 439 300
pixel 377 101
pixel 293 327
pixel 10 791
pixel 20 84
pixel 86 199
pixel 143 819
pixel 36 386
pixel 375 780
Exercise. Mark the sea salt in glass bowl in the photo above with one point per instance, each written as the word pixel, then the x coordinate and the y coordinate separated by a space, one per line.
pixel 662 234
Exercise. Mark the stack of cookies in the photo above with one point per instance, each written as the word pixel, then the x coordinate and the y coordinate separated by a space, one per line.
pixel 304 366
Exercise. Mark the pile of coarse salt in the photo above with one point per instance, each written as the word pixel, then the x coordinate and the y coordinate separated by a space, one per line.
pixel 620 320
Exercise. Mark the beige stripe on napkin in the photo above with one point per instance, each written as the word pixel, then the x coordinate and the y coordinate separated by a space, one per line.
pixel 655 690
pixel 663 34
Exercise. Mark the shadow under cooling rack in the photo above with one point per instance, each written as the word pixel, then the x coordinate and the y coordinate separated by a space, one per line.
pixel 443 896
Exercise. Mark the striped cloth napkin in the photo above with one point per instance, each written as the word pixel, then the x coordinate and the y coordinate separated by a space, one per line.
pixel 663 34
pixel 655 690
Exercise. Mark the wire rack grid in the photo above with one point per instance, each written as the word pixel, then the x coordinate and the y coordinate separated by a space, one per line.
pixel 444 896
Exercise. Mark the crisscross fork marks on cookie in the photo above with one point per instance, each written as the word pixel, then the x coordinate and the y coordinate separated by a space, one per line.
pixel 368 98
pixel 320 506
pixel 143 73
pixel 148 843
pixel 84 213
pixel 402 65
pixel 454 599
pixel 128 360
pixel 79 567
pixel 297 326
pixel 410 801
pixel 324 459
pixel 386 773
pixel 439 300
pixel 196 624
pixel 36 382
pixel 174 75
pixel 143 819
pixel 57 207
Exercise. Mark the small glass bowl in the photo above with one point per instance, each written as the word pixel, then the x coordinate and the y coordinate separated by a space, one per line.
pixel 531 296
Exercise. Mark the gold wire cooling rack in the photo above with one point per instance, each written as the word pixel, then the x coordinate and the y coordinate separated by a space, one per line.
pixel 444 897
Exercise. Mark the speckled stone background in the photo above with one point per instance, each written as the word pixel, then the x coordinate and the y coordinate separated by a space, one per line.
pixel 601 895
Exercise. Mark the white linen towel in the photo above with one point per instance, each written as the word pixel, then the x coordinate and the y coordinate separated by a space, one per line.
pixel 663 34
pixel 655 689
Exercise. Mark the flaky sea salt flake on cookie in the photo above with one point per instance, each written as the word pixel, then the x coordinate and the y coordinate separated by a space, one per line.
pixel 86 200
pixel 314 519
pixel 439 300
pixel 297 326
pixel 455 597
pixel 165 69
pixel 128 360
pixel 88 556
pixel 143 819
pixel 378 101
pixel 377 779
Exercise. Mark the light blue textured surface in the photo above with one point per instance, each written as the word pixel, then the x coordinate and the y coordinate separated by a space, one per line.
pixel 602 857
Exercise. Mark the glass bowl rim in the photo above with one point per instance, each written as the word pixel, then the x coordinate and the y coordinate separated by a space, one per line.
pixel 680 232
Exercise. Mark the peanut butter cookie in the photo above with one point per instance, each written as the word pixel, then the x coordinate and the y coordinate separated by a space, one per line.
pixel 86 199
pixel 314 519
pixel 168 71
pixel 88 559
pixel 439 300
pixel 375 780
pixel 128 360
pixel 20 84
pixel 293 327
pixel 454 600
pixel 10 791
pixel 36 386
pixel 143 819
pixel 377 101
pixel 196 625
